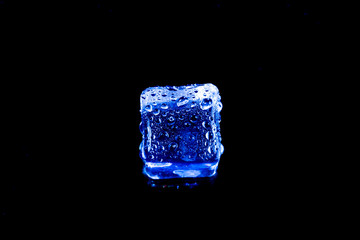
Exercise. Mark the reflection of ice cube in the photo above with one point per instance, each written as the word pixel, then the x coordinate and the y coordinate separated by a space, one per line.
pixel 152 165
pixel 180 126
pixel 187 173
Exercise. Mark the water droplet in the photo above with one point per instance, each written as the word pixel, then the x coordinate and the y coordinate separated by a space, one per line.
pixel 193 103
pixel 190 138
pixel 221 148
pixel 182 117
pixel 187 124
pixel 192 155
pixel 206 103
pixel 173 146
pixel 182 101
pixel 171 120
pixel 189 156
pixel 141 127
pixel 209 135
pixel 148 108
pixel 158 120
pixel 205 124
pixel 156 111
pixel 178 137
pixel 219 106
pixel 173 88
pixel 194 118
pixel 202 156
pixel 173 98
pixel 164 106
pixel 162 136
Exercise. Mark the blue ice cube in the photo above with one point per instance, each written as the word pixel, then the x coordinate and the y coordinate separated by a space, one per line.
pixel 180 129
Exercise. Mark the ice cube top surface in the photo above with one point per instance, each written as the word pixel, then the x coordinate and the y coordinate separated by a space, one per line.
pixel 180 130
pixel 206 95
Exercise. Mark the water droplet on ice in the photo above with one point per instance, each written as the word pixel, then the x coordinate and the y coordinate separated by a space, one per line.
pixel 219 106
pixel 173 146
pixel 205 124
pixel 209 135
pixel 162 136
pixel 148 108
pixel 206 103
pixel 182 101
pixel 190 138
pixel 221 148
pixel 173 98
pixel 141 127
pixel 171 120
pixel 156 111
pixel 157 120
pixel 164 106
pixel 173 88
pixel 192 155
pixel 194 118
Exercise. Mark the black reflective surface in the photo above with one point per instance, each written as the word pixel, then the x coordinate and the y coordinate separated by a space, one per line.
pixel 73 92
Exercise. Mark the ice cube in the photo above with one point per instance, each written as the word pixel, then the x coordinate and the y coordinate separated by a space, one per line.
pixel 180 129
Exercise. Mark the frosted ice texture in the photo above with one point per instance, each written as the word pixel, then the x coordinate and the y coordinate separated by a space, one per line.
pixel 180 129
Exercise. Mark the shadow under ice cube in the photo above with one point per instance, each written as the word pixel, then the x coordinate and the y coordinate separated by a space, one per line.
pixel 180 129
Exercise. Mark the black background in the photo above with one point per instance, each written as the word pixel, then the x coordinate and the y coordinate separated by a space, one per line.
pixel 73 74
